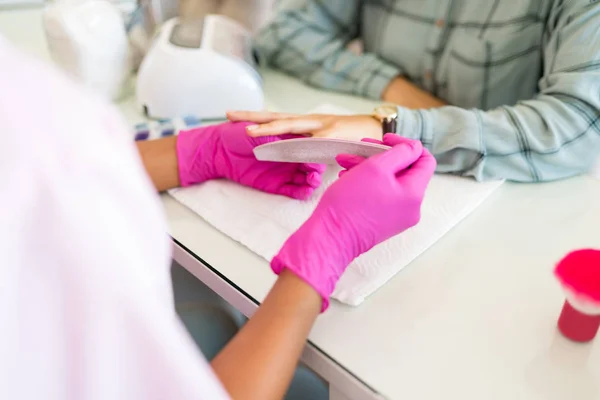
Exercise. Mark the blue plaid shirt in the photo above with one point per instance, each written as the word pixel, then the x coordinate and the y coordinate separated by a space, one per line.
pixel 523 77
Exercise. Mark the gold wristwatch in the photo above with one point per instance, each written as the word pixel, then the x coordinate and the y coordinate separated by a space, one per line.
pixel 387 115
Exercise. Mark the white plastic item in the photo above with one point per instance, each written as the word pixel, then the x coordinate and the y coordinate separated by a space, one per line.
pixel 201 67
pixel 87 38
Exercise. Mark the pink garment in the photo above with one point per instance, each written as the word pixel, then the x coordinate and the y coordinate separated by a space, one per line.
pixel 376 199
pixel 225 151
pixel 86 309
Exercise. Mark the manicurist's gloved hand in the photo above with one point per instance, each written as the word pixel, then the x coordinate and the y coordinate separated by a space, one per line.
pixel 225 151
pixel 376 199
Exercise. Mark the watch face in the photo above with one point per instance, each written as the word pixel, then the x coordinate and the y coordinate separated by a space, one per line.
pixel 386 111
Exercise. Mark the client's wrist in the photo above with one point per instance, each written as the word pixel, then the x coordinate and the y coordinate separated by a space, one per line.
pixel 373 127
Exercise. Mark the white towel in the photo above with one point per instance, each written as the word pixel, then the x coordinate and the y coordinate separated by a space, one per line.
pixel 263 222
pixel 595 170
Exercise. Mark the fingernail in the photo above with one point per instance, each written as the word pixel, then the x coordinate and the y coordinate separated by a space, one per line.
pixel 251 127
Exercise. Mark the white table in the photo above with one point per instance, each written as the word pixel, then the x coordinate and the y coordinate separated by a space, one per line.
pixel 472 318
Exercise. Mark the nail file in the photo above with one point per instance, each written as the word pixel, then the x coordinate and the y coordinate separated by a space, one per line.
pixel 315 150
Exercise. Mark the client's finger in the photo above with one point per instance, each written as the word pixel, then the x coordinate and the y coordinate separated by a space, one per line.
pixel 257 117
pixel 303 126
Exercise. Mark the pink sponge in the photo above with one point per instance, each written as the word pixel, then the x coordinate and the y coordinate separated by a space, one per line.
pixel 579 274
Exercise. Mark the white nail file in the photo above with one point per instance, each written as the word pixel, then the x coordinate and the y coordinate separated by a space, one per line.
pixel 315 150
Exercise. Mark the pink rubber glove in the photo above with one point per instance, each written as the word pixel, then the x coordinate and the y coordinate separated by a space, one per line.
pixel 225 152
pixel 378 198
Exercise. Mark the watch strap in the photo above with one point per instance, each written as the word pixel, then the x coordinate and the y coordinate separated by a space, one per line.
pixel 387 115
pixel 389 125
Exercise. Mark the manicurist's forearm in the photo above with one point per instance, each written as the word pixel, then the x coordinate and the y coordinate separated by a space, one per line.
pixel 260 361
pixel 160 160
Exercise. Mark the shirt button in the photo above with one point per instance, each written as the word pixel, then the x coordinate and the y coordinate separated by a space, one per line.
pixel 428 74
pixel 440 23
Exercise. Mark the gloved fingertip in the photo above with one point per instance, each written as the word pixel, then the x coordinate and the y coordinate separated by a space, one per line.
pixel 392 139
pixel 320 168
pixel 341 157
pixel 348 161
pixel 342 173
pixel 414 146
pixel 314 179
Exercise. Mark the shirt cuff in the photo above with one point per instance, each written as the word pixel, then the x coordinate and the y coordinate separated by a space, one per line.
pixel 412 124
pixel 376 79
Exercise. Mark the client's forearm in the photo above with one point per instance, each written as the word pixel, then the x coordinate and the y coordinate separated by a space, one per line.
pixel 406 94
pixel 160 160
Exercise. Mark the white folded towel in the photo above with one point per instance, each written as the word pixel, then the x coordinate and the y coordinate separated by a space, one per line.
pixel 595 170
pixel 263 222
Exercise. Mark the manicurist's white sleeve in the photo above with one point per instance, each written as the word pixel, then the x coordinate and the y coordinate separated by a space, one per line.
pixel 86 309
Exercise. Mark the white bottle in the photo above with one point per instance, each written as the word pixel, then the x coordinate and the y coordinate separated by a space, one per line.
pixel 87 38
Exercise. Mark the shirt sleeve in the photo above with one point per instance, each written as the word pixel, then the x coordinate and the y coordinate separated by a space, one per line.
pixel 552 136
pixel 308 39
pixel 86 308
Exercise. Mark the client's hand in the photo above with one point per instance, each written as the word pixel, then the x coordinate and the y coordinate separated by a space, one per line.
pixel 226 151
pixel 378 198
pixel 350 127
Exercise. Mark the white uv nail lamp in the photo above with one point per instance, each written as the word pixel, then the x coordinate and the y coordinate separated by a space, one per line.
pixel 200 67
